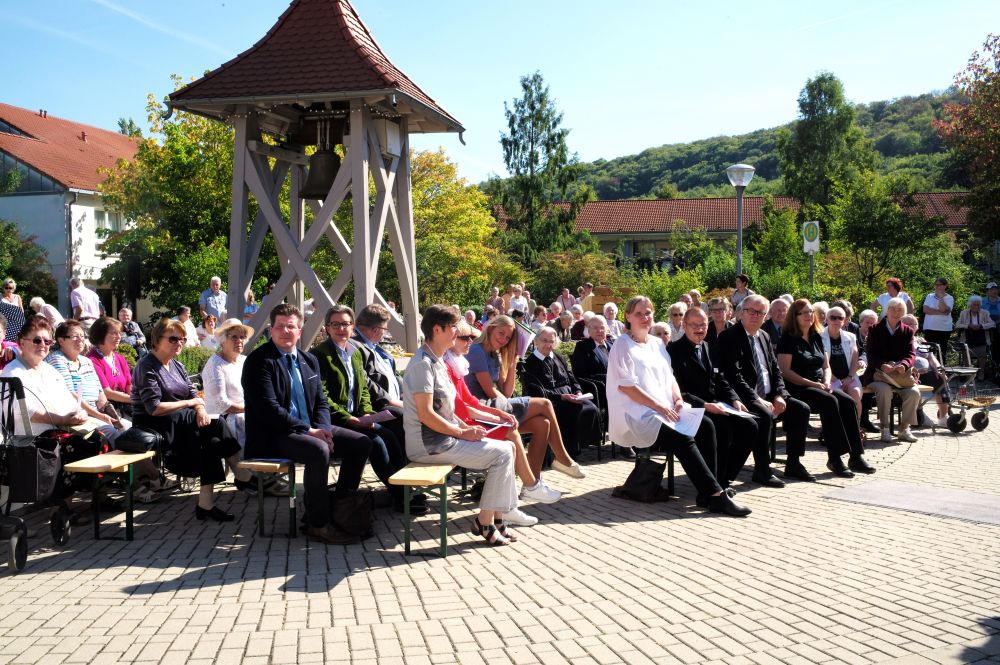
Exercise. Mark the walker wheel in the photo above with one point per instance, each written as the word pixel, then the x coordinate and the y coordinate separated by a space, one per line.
pixel 980 421
pixel 59 525
pixel 18 555
pixel 957 422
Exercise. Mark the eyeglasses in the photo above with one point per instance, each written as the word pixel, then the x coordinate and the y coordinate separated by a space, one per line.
pixel 754 312
pixel 466 338
pixel 340 325
pixel 238 338
pixel 75 338
pixel 8 288
pixel 834 318
pixel 174 339
pixel 41 341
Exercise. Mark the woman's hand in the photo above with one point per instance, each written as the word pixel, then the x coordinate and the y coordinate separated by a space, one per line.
pixel 472 433
pixel 195 402
pixel 75 418
pixel 667 412
pixel 509 419
pixel 105 418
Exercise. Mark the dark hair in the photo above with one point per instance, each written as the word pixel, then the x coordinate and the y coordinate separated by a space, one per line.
pixel 182 309
pixel 941 280
pixel 373 316
pixel 436 316
pixel 62 330
pixel 538 310
pixel 338 309
pixel 743 277
pixel 33 323
pixel 102 327
pixel 284 309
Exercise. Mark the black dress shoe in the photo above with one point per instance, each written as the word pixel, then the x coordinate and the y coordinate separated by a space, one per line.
pixel 214 513
pixel 860 464
pixel 418 499
pixel 703 500
pixel 725 505
pixel 416 509
pixel 869 426
pixel 769 480
pixel 837 466
pixel 332 535
pixel 799 472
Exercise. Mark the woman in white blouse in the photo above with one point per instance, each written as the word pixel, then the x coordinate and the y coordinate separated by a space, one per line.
pixel 937 314
pixel 642 394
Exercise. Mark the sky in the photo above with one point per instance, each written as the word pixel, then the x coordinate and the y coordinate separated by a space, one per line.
pixel 627 75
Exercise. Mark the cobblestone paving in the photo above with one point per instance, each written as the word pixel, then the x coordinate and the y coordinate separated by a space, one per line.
pixel 805 579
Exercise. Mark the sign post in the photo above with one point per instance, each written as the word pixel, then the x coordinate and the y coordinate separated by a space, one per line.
pixel 810 245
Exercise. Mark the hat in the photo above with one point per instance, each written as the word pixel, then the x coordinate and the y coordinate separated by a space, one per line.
pixel 991 285
pixel 229 324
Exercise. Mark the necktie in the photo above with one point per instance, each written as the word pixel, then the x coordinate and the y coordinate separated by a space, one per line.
pixel 755 344
pixel 298 391
pixel 699 352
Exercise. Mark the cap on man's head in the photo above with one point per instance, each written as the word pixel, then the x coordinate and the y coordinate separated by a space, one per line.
pixel 991 285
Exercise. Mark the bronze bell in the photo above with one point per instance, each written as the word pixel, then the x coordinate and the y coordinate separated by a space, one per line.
pixel 323 166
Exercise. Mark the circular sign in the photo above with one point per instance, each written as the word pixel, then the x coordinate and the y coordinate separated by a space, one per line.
pixel 811 231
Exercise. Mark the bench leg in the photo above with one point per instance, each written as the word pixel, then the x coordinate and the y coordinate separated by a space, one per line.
pixel 95 506
pixel 291 501
pixel 443 492
pixel 260 504
pixel 407 494
pixel 129 516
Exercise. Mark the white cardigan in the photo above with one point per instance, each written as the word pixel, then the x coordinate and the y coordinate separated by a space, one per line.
pixel 848 340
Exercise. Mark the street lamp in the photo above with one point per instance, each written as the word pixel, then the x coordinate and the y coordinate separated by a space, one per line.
pixel 740 176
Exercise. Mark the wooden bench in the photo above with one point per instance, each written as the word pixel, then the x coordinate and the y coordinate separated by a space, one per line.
pixel 110 464
pixel 926 393
pixel 260 467
pixel 433 478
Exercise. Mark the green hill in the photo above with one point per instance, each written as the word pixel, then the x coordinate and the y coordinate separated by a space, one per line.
pixel 900 129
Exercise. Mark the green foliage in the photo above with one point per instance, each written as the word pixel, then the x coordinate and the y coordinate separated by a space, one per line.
pixel 780 243
pixel 664 289
pixel 128 352
pixel 194 358
pixel 824 145
pixel 27 262
pixel 693 245
pixel 571 268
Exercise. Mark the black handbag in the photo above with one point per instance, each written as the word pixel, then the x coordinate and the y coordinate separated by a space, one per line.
pixel 644 483
pixel 354 513
pixel 33 469
pixel 138 440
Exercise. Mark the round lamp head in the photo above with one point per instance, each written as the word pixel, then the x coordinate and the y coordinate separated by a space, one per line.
pixel 740 175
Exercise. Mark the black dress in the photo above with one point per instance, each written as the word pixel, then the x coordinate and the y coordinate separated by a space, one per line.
pixel 551 378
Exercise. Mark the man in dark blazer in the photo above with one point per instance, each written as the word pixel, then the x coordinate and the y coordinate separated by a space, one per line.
pixel 703 385
pixel 775 320
pixel 384 385
pixel 751 369
pixel 287 416
pixel 890 349
pixel 590 362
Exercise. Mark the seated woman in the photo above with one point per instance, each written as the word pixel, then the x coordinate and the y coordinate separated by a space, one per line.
pixel 112 369
pixel 547 370
pixel 929 371
pixel 492 372
pixel 471 412
pixel 846 364
pixel 206 333
pixel 77 371
pixel 615 327
pixel 676 319
pixel 163 400
pixel 719 319
pixel 343 372
pixel 805 367
pixel 661 331
pixel 642 393
pixel 434 435
pixel 8 350
pixel 974 326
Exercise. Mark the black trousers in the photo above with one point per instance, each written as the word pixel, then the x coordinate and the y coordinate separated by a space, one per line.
pixel 578 423
pixel 735 439
pixel 838 415
pixel 189 450
pixel 352 448
pixel 697 455
pixel 939 337
pixel 795 419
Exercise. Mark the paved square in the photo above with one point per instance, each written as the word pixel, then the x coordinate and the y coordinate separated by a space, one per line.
pixel 805 579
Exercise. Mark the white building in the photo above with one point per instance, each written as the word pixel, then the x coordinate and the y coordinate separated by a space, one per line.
pixel 58 200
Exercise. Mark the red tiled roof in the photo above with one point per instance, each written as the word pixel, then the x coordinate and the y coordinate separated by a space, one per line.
pixel 316 47
pixel 56 147
pixel 940 203
pixel 659 215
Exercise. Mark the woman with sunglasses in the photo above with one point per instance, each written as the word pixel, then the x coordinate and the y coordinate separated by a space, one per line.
pixel 164 400
pixel 805 367
pixel 9 295
pixel 676 319
pixel 846 363
pixel 77 370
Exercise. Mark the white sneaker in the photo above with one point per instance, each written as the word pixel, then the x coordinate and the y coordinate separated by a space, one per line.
pixel 906 435
pixel 541 493
pixel 518 517
pixel 886 435
pixel 573 470
pixel 943 422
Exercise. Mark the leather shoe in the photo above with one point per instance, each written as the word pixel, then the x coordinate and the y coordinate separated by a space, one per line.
pixel 416 509
pixel 703 500
pixel 214 513
pixel 869 426
pixel 332 535
pixel 725 505
pixel 799 472
pixel 769 480
pixel 837 466
pixel 860 464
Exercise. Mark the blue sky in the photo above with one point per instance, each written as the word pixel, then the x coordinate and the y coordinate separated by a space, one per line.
pixel 628 75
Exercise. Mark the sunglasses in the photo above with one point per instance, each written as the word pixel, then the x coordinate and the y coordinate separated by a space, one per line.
pixel 41 341
pixel 8 288
pixel 174 339
pixel 835 318
pixel 467 338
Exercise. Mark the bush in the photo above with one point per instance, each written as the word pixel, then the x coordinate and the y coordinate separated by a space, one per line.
pixel 128 352
pixel 194 358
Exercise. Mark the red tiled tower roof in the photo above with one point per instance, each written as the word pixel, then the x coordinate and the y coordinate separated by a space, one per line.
pixel 57 148
pixel 319 50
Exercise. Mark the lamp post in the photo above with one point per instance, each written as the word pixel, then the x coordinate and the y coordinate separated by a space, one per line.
pixel 740 176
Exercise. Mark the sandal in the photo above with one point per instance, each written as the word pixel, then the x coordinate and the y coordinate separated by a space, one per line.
pixel 145 494
pixel 490 533
pixel 501 526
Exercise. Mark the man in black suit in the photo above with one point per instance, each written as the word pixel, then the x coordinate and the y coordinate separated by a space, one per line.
pixel 703 384
pixel 288 417
pixel 751 368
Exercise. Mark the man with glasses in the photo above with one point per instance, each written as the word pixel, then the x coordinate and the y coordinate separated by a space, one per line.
pixel 751 368
pixel 383 381
pixel 287 416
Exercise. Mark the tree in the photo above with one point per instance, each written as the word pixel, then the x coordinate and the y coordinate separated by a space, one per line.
pixel 26 262
pixel 542 173
pixel 780 242
pixel 877 220
pixel 972 129
pixel 824 145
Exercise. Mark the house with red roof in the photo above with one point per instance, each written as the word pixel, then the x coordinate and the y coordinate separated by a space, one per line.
pixel 58 200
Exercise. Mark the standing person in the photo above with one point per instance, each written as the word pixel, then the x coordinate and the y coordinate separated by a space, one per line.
pixel 805 367
pixel 131 332
pixel 287 416
pixel 494 301
pixel 742 290
pixel 751 368
pixel 937 315
pixel 991 303
pixel 566 299
pixel 890 350
pixel 642 391
pixel 250 308
pixel 587 299
pixel 190 332
pixel 39 306
pixel 14 316
pixel 9 293
pixel 213 300
pixel 86 303
pixel 893 289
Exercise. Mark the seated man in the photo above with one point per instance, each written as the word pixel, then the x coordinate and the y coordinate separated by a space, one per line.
pixel 751 368
pixel 287 416
pixel 889 346
pixel 381 377
pixel 703 386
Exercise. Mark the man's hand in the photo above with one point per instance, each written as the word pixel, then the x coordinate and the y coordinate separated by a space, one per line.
pixel 75 418
pixel 778 405
pixel 714 407
pixel 322 435
pixel 739 406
